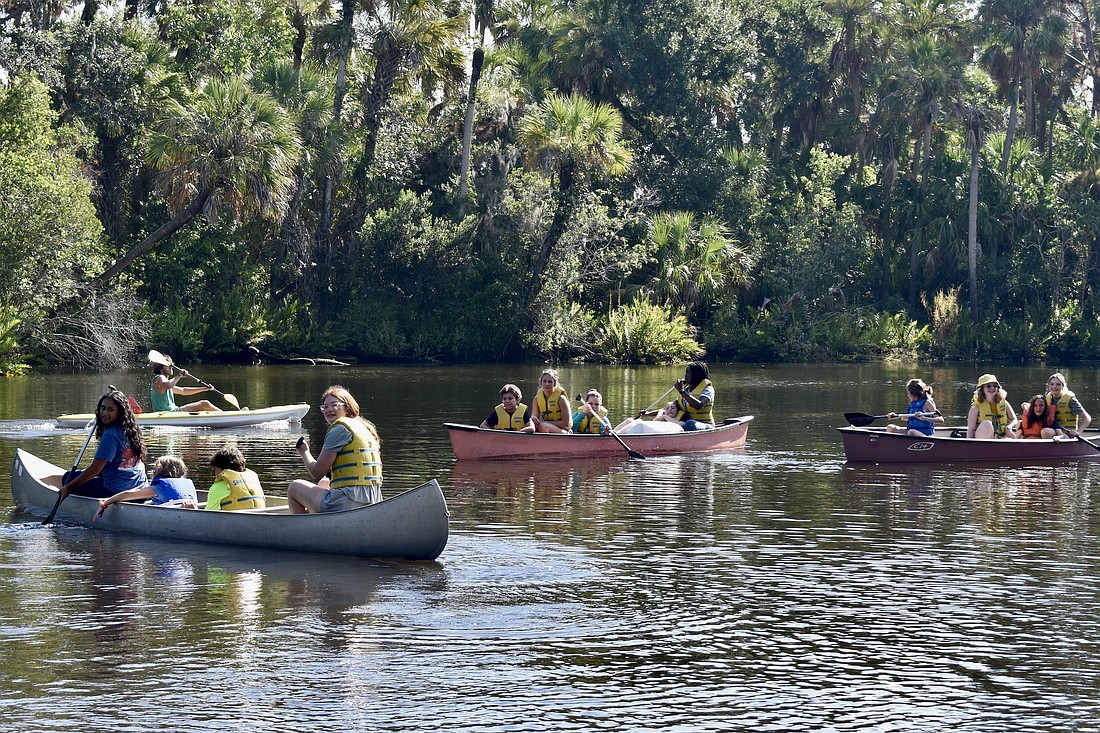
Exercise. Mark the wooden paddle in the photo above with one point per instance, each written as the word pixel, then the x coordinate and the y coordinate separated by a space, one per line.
pixel 155 357
pixel 607 424
pixel 860 419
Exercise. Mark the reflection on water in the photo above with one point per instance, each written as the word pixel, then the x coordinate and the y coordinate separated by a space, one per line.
pixel 773 588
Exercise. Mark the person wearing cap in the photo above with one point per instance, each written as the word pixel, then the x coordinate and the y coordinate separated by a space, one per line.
pixel 990 414
pixel 165 387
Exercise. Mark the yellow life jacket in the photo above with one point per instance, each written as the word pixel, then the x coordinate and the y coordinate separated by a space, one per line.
pixel 513 421
pixel 550 409
pixel 590 423
pixel 1062 412
pixel 702 414
pixel 994 412
pixel 244 490
pixel 359 463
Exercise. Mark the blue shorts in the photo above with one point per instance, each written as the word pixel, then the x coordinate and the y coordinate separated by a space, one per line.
pixel 93 488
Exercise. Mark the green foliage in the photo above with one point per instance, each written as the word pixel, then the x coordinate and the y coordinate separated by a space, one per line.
pixel 945 315
pixel 49 234
pixel 224 37
pixel 11 360
pixel 643 333
pixel 179 332
pixel 415 290
pixel 791 177
pixel 562 333
pixel 825 250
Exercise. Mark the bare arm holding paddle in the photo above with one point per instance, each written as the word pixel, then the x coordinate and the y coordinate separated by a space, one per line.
pixel 165 384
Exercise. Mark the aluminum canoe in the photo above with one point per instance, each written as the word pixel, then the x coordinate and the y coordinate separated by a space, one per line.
pixel 411 525
pixel 875 445
pixel 472 443
pixel 225 419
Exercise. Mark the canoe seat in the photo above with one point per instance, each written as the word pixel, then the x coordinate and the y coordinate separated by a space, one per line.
pixel 266 510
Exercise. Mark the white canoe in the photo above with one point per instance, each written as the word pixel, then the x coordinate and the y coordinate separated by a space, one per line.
pixel 411 525
pixel 226 419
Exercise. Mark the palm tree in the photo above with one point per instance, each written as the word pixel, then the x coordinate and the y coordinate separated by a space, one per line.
pixel 696 260
pixel 936 78
pixel 229 150
pixel 576 139
pixel 412 38
pixel 1022 34
pixel 305 92
pixel 345 36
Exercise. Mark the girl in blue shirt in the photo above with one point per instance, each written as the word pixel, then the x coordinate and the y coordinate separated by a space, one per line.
pixel 117 465
pixel 920 402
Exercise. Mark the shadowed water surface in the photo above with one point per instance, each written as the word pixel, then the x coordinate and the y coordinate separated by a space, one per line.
pixel 774 588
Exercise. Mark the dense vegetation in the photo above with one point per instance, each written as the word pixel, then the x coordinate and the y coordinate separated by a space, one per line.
pixel 640 180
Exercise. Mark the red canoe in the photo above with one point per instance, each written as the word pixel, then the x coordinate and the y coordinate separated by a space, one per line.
pixel 875 445
pixel 478 444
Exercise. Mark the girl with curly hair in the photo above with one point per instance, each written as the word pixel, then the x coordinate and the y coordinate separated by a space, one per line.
pixel 117 465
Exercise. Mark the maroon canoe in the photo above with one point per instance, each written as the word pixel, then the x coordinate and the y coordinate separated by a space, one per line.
pixel 875 445
pixel 476 444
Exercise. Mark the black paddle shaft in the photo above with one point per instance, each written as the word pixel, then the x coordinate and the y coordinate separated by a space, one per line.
pixel 860 419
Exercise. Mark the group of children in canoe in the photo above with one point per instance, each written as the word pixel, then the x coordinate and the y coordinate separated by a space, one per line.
pixel 1054 415
pixel 552 410
pixel 117 471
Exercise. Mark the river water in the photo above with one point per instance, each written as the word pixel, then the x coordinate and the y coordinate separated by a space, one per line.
pixel 772 589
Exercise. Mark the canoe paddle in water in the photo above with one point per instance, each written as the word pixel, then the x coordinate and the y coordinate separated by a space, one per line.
pixel 607 424
pixel 861 419
pixel 155 357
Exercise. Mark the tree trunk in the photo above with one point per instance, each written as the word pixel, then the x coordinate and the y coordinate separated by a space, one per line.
pixel 325 245
pixel 889 180
pixel 972 234
pixel 468 130
pixel 175 224
pixel 87 15
pixel 290 232
pixel 298 22
pixel 1010 131
pixel 918 240
pixel 1029 106
pixel 1092 57
pixel 562 215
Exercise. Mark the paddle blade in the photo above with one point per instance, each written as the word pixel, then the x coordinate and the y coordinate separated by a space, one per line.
pixel 860 419
pixel 155 357
pixel 231 400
